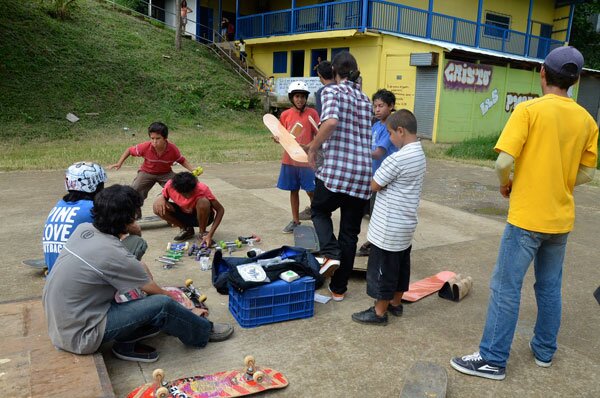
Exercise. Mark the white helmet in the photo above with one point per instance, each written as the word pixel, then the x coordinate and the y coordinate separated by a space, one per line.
pixel 298 87
pixel 84 177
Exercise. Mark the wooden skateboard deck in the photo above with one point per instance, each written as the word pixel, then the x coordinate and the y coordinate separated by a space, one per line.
pixel 425 287
pixel 425 379
pixel 233 383
pixel 185 296
pixel 287 140
pixel 305 236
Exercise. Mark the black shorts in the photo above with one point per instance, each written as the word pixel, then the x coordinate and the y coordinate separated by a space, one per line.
pixel 387 272
pixel 190 219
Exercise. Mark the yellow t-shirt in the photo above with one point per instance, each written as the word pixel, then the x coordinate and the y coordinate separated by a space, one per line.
pixel 549 137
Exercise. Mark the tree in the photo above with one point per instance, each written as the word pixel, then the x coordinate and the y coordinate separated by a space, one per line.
pixel 583 34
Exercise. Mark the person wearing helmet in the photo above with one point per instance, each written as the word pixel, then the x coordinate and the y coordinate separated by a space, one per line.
pixel 295 175
pixel 83 180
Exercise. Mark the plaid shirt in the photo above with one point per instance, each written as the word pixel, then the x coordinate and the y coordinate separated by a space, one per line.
pixel 347 161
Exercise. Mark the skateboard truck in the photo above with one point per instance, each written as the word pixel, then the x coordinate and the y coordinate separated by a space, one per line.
pixel 193 292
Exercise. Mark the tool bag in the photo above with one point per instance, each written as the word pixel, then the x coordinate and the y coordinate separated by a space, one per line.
pixel 226 270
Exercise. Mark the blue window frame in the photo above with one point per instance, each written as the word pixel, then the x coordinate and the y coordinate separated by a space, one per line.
pixel 280 62
pixel 493 20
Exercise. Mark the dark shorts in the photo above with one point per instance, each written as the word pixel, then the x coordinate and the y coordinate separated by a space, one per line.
pixel 190 219
pixel 292 178
pixel 387 272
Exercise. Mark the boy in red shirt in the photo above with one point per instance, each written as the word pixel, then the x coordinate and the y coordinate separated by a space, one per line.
pixel 159 155
pixel 295 175
pixel 188 203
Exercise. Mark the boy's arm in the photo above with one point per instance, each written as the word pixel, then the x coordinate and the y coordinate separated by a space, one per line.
pixel 123 157
pixel 215 204
pixel 187 165
pixel 325 131
pixel 375 187
pixel 378 153
pixel 503 167
pixel 584 174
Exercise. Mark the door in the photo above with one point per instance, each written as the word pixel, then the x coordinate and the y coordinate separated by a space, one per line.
pixel 204 31
pixel 297 69
pixel 316 56
pixel 544 46
pixel 426 90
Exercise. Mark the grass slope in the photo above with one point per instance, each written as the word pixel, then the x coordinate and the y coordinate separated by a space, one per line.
pixel 126 70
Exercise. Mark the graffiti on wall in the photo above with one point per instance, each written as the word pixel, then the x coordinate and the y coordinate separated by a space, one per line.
pixel 467 76
pixel 487 104
pixel 513 99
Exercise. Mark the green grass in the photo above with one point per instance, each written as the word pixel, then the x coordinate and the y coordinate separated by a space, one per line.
pixel 126 71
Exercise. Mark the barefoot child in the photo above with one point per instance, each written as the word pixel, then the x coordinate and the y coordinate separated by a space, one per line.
pixel 295 175
pixel 398 182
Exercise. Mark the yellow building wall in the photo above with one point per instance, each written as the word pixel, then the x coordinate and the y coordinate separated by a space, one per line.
pixel 466 9
pixel 561 23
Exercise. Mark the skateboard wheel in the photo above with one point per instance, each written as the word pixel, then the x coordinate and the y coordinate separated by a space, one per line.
pixel 158 375
pixel 162 392
pixel 202 298
pixel 249 360
pixel 256 238
pixel 186 246
pixel 238 243
pixel 188 282
pixel 222 244
pixel 258 376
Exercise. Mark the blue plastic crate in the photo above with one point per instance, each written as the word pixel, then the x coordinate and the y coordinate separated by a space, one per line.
pixel 276 302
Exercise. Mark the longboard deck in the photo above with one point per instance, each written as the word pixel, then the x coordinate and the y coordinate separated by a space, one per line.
pixel 149 219
pixel 35 263
pixel 287 141
pixel 305 236
pixel 425 287
pixel 222 384
pixel 425 379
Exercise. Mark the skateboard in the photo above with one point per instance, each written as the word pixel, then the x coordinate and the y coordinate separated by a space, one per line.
pixel 188 296
pixel 319 160
pixel 425 287
pixel 149 220
pixel 239 382
pixel 305 236
pixel 38 263
pixel 287 140
pixel 425 379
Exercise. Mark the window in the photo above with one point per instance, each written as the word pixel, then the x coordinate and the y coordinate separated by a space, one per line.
pixel 496 25
pixel 280 62
pixel 335 51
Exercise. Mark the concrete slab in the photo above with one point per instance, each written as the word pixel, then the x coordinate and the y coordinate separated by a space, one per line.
pixel 461 221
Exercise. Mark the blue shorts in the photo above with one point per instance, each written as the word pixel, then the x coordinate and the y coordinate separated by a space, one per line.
pixel 293 178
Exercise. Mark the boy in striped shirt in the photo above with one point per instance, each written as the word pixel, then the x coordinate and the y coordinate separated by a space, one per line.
pixel 398 183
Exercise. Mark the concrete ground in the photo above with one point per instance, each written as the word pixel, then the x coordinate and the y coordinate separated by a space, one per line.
pixel 461 221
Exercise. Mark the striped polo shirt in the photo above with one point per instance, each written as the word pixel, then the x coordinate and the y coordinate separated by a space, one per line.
pixel 394 217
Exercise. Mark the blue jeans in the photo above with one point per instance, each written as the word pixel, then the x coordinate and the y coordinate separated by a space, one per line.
pixel 125 320
pixel 518 249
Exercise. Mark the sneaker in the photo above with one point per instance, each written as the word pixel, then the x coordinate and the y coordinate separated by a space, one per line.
pixel 363 251
pixel 220 332
pixel 305 214
pixel 136 352
pixel 395 310
pixel 370 317
pixel 328 267
pixel 539 362
pixel 290 227
pixel 184 234
pixel 336 296
pixel 474 365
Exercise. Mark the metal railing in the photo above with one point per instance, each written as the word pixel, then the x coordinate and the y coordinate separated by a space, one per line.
pixel 391 17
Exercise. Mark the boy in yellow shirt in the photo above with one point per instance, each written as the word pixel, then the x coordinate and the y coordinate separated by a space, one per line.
pixel 553 143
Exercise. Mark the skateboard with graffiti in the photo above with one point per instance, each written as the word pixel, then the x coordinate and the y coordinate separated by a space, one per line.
pixel 239 382
pixel 423 288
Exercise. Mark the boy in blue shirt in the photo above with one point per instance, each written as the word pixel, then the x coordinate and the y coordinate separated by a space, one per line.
pixel 382 147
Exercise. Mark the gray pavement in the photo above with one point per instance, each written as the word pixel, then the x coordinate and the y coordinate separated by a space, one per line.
pixel 461 221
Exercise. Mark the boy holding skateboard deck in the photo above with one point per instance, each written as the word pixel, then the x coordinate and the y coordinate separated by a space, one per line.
pixel 159 155
pixel 295 175
pixel 398 182
pixel 188 203
pixel 78 297
pixel 553 143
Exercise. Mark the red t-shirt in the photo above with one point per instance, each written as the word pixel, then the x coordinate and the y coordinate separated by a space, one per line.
pixel 187 204
pixel 292 116
pixel 153 162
